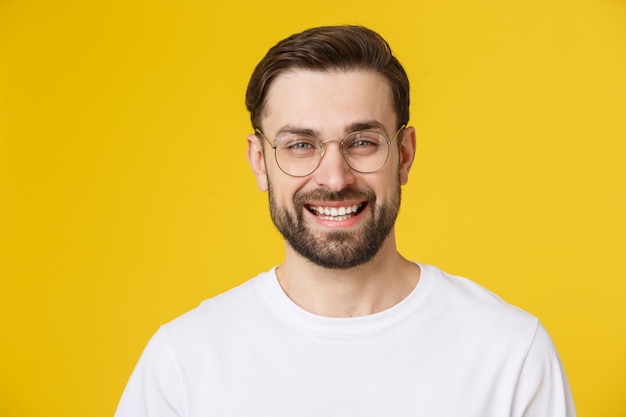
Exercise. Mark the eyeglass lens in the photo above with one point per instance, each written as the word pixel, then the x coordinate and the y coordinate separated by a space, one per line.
pixel 300 155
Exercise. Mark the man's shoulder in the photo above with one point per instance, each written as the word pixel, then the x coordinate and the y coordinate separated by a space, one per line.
pixel 224 310
pixel 471 304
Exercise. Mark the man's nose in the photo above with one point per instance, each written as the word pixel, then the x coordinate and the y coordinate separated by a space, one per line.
pixel 334 173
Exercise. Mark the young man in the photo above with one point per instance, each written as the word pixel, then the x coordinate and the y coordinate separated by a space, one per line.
pixel 345 326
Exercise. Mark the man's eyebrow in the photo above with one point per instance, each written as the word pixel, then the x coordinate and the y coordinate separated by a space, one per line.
pixel 291 129
pixel 366 125
pixel 352 127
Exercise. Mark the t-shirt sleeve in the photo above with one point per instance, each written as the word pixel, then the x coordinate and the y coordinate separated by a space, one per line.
pixel 154 387
pixel 543 389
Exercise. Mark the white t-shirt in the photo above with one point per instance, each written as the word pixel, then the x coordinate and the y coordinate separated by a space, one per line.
pixel 451 348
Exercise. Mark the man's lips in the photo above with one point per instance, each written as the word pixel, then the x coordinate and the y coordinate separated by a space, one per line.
pixel 335 212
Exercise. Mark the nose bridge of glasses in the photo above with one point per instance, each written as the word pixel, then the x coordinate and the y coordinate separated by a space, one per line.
pixel 333 168
pixel 340 142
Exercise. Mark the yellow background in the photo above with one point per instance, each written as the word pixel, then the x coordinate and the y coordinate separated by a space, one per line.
pixel 126 199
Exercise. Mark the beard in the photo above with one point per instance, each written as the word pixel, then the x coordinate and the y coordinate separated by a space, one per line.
pixel 337 249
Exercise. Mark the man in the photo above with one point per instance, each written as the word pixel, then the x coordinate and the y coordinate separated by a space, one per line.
pixel 345 326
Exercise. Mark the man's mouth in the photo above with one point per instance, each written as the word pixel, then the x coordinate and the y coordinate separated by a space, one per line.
pixel 336 213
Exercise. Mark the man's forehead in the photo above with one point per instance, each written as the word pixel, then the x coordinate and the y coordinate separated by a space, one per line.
pixel 296 96
pixel 327 76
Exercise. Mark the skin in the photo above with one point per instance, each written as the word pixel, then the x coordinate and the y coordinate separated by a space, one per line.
pixel 331 104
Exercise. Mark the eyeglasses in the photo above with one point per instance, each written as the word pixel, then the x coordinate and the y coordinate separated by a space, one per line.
pixel 300 154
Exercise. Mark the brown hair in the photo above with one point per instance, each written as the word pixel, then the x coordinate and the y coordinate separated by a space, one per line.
pixel 329 48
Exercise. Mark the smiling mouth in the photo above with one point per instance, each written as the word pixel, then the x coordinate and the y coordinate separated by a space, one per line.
pixel 336 213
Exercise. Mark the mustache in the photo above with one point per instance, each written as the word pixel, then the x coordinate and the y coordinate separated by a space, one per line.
pixel 323 194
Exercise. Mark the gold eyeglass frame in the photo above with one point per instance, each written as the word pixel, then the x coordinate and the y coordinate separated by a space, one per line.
pixel 344 153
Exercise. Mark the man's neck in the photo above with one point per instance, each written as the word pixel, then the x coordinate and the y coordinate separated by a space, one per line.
pixel 366 289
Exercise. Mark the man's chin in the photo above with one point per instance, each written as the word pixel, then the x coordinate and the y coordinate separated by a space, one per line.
pixel 335 250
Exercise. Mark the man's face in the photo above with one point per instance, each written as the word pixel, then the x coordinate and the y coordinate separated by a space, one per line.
pixel 334 217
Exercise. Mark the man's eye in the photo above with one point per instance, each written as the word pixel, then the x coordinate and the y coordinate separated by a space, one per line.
pixel 299 145
pixel 361 143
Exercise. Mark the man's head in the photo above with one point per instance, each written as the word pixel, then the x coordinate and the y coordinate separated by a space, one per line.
pixel 334 199
pixel 329 48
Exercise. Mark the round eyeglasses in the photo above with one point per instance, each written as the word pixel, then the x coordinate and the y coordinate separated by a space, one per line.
pixel 300 154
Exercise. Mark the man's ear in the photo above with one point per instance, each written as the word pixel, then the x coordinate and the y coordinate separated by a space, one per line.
pixel 407 153
pixel 257 161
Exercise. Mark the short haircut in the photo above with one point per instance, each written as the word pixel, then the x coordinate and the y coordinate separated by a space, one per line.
pixel 329 48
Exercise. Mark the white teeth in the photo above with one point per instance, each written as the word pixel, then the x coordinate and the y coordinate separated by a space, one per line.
pixel 336 213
